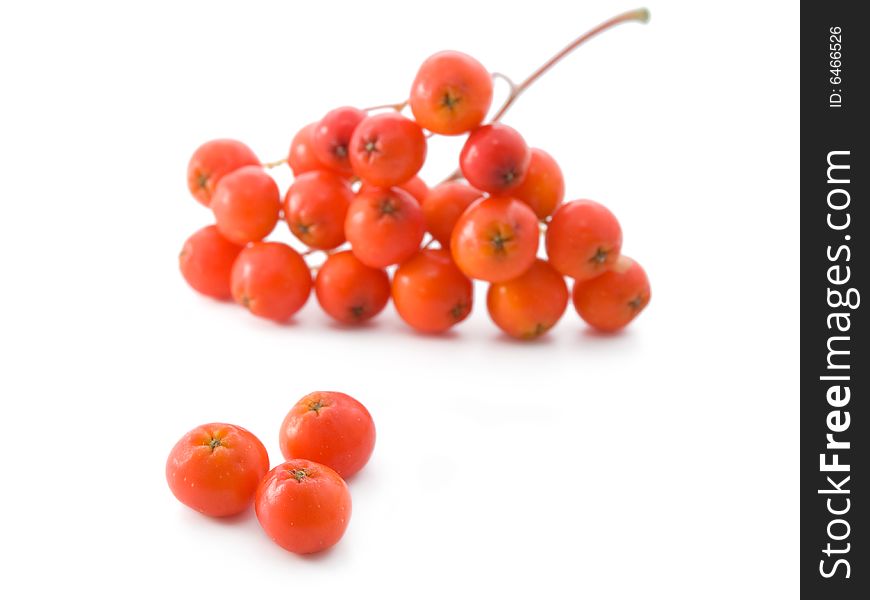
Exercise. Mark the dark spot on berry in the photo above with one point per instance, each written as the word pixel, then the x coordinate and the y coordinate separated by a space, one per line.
pixel 246 301
pixel 388 206
pixel 637 303
pixel 509 176
pixel 499 241
pixel 316 405
pixel 599 257
pixel 449 100
pixel 358 311
pixel 458 311
pixel 299 474
pixel 340 150
pixel 202 180
pixel 370 145
pixel 214 443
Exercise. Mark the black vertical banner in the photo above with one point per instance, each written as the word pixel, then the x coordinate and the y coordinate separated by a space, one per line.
pixel 835 363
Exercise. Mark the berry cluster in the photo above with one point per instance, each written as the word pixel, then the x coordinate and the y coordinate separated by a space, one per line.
pixel 357 199
pixel 303 504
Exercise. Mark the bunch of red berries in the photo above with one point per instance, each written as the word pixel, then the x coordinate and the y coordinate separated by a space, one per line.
pixel 357 198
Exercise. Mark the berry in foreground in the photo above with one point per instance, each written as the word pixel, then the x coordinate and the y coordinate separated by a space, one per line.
pixel 301 157
pixel 387 149
pixel 246 205
pixel 543 187
pixel 211 161
pixel 611 301
pixel 583 239
pixel 384 226
pixel 271 280
pixel 206 262
pixel 495 239
pixel 215 469
pixel 331 138
pixel 303 506
pixel 430 293
pixel 528 306
pixel 444 205
pixel 495 158
pixel 315 208
pixel 349 291
pixel 330 428
pixel 451 93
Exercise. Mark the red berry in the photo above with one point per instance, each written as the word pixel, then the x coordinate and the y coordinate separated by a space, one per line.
pixel 544 186
pixel 583 239
pixel 528 306
pixel 301 157
pixel 331 428
pixel 444 205
pixel 303 506
pixel 430 293
pixel 349 291
pixel 495 158
pixel 211 161
pixel 611 301
pixel 451 93
pixel 384 226
pixel 206 262
pixel 315 208
pixel 215 469
pixel 332 135
pixel 495 239
pixel 271 280
pixel 246 205
pixel 387 149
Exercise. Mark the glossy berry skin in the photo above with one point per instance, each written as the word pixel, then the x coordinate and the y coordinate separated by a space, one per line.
pixel 543 187
pixel 330 428
pixel 387 149
pixel 331 138
pixel 315 208
pixel 246 205
pixel 384 226
pixel 495 158
pixel 430 293
pixel 303 506
pixel 583 239
pixel 611 301
pixel 215 469
pixel 349 291
pixel 528 306
pixel 211 161
pixel 414 186
pixel 301 157
pixel 443 206
pixel 271 280
pixel 206 261
pixel 451 93
pixel 495 239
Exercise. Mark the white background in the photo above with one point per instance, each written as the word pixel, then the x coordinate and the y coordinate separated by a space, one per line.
pixel 661 463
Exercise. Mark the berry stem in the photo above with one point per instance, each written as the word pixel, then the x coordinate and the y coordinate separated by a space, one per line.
pixel 640 15
pixel 274 163
pixel 398 107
